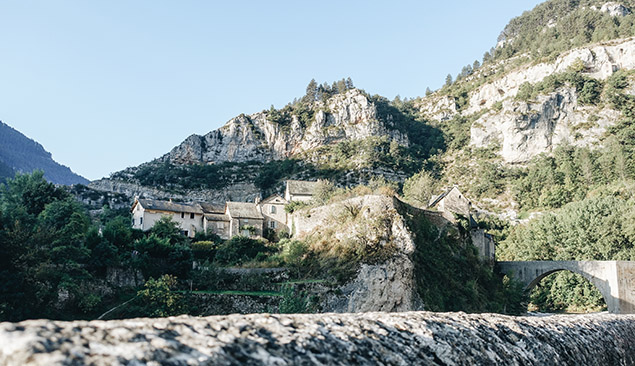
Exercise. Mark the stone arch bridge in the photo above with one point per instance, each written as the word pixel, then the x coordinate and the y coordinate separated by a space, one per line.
pixel 614 279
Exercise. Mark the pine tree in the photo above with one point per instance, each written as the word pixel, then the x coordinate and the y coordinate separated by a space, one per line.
pixel 341 86
pixel 349 83
pixel 448 80
pixel 311 91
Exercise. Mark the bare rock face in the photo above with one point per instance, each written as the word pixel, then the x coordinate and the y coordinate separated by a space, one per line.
pixel 615 9
pixel 241 192
pixel 440 108
pixel 347 116
pixel 600 60
pixel 415 338
pixel 386 286
pixel 526 129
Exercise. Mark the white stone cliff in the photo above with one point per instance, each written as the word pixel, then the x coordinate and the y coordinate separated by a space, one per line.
pixel 347 116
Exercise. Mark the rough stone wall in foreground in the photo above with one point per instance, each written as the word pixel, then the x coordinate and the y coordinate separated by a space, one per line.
pixel 415 338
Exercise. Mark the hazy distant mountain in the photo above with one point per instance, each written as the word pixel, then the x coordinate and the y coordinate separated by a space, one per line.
pixel 19 153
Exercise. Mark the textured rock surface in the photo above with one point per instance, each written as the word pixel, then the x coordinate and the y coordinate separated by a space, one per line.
pixel 386 286
pixel 615 9
pixel 600 60
pixel 348 116
pixel 526 129
pixel 416 338
pixel 440 108
pixel 241 192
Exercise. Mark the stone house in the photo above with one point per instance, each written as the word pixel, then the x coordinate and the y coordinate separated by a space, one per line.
pixel 455 202
pixel 146 212
pixel 215 220
pixel 452 200
pixel 275 217
pixel 245 219
pixel 300 190
pixel 228 220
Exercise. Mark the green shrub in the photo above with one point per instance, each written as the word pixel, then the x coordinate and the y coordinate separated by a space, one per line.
pixel 159 299
pixel 204 250
pixel 239 250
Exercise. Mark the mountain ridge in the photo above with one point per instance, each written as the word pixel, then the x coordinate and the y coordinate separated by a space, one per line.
pixel 24 155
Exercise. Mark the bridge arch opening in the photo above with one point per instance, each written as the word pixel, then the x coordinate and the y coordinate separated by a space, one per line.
pixel 563 290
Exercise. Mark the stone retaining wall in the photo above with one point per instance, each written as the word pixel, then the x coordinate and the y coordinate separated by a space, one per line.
pixel 412 338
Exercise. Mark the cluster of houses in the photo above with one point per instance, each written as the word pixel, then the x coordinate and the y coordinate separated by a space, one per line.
pixel 225 220
pixel 251 219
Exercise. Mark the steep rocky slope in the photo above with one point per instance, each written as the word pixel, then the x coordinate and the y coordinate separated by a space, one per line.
pixel 415 338
pixel 21 154
pixel 387 284
pixel 348 116
pixel 238 152
pixel 520 102
pixel 523 129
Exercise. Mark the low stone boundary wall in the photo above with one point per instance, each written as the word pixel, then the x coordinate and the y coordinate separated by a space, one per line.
pixel 414 338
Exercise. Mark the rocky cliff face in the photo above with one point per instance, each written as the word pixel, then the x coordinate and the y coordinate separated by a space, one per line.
pixel 260 138
pixel 415 338
pixel 385 286
pixel 600 62
pixel 523 130
pixel 348 116
pixel 526 129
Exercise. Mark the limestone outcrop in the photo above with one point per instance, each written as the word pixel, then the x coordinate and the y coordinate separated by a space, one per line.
pixel 239 191
pixel 413 338
pixel 385 286
pixel 347 116
pixel 614 9
pixel 523 130
pixel 526 129
pixel 600 61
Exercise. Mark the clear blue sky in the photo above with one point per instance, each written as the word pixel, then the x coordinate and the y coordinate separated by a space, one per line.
pixel 104 85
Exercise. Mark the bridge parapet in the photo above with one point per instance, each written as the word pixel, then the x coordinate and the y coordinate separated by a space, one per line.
pixel 614 279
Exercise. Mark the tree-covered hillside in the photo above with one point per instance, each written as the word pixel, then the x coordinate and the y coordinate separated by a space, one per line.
pixel 20 153
pixel 561 73
pixel 579 191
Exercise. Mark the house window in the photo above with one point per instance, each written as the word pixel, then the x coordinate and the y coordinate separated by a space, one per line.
pixel 133 221
pixel 244 233
pixel 272 225
pixel 220 225
pixel 184 232
pixel 182 215
pixel 246 221
pixel 191 216
pixel 273 209
pixel 141 221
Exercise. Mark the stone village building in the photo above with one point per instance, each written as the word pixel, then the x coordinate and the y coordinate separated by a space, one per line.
pixel 251 219
pixel 454 202
pixel 233 218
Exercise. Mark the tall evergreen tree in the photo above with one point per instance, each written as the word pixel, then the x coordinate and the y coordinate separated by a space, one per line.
pixel 448 80
pixel 349 83
pixel 311 91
